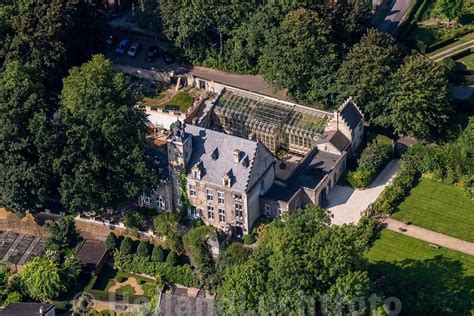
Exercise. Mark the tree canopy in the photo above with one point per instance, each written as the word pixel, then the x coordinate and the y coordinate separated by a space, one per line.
pixel 102 162
pixel 366 71
pixel 299 259
pixel 419 104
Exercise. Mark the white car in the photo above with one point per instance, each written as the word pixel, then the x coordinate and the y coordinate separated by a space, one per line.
pixel 133 50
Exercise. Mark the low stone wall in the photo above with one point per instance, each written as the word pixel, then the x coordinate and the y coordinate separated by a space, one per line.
pixel 34 225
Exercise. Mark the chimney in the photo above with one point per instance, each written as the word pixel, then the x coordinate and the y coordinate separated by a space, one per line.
pixel 236 155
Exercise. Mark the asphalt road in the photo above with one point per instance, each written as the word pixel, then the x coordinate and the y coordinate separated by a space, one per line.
pixel 389 14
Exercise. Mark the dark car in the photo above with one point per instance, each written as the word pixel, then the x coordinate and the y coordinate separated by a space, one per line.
pixel 168 57
pixel 112 41
pixel 152 53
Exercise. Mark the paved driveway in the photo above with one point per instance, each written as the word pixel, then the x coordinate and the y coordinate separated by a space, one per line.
pixel 347 204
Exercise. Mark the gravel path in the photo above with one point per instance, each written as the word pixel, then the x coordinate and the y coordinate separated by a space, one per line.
pixel 347 204
pixel 431 236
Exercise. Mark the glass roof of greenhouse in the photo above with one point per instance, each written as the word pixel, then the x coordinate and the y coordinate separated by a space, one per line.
pixel 295 118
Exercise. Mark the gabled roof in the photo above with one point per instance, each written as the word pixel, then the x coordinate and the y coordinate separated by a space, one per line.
pixel 254 159
pixel 335 138
pixel 351 114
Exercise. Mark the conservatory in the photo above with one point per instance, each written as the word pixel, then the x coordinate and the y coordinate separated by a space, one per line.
pixel 275 123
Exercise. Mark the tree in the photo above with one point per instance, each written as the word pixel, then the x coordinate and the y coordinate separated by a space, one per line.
pixel 171 258
pixel 450 9
pixel 299 258
pixel 42 279
pixel 419 101
pixel 4 274
pixel 63 234
pixel 300 57
pixel 133 220
pixel 24 171
pixel 366 72
pixel 143 249
pixel 157 254
pixel 126 246
pixel 111 242
pixel 102 162
pixel 54 35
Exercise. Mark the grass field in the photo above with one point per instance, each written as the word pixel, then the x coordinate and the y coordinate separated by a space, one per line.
pixel 428 281
pixel 439 207
pixel 108 276
pixel 183 100
pixel 468 61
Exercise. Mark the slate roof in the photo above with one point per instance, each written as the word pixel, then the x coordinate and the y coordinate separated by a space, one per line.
pixel 91 254
pixel 314 170
pixel 336 138
pixel 23 309
pixel 158 160
pixel 255 158
pixel 351 114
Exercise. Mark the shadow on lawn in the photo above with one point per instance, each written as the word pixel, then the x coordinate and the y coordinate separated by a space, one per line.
pixel 433 286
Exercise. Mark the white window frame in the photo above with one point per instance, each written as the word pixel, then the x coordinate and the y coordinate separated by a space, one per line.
pixel 221 212
pixel 161 202
pixel 210 212
pixel 209 194
pixel 192 190
pixel 239 210
pixel 220 197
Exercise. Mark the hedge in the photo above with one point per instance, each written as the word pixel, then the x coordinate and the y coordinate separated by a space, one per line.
pixel 184 275
pixel 394 194
pixel 373 158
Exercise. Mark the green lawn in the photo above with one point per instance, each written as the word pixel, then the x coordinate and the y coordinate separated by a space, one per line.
pixel 428 281
pixel 107 278
pixel 439 207
pixel 183 100
pixel 468 61
pixel 126 289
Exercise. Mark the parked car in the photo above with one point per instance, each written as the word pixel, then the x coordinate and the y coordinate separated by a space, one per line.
pixel 152 53
pixel 168 57
pixel 122 47
pixel 133 50
pixel 112 40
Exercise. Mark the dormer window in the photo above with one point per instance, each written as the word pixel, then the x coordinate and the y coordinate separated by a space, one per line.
pixel 246 161
pixel 226 181
pixel 215 154
pixel 196 171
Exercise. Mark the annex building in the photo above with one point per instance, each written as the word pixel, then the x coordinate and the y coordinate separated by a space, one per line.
pixel 224 156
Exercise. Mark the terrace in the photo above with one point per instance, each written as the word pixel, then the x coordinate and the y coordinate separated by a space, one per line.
pixel 274 123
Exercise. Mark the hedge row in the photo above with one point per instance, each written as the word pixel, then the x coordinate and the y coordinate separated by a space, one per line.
pixel 184 274
pixel 373 158
pixel 394 194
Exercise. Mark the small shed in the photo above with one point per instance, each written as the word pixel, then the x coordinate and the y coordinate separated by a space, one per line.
pixel 93 256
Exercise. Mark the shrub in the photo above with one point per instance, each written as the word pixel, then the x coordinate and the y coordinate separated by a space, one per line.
pixel 120 278
pixel 133 220
pixel 111 242
pixel 13 297
pixel 184 274
pixel 157 254
pixel 173 241
pixel 143 249
pixel 140 281
pixel 126 247
pixel 171 258
pixel 166 223
pixel 373 158
pixel 195 244
pixel 249 239
pixel 236 253
pixel 393 194
pixel 261 226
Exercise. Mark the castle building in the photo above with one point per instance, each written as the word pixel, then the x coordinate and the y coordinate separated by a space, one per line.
pixel 226 167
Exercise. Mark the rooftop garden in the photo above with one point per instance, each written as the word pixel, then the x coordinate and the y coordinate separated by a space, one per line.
pixel 169 99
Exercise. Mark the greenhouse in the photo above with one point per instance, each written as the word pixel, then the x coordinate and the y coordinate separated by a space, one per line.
pixel 275 123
